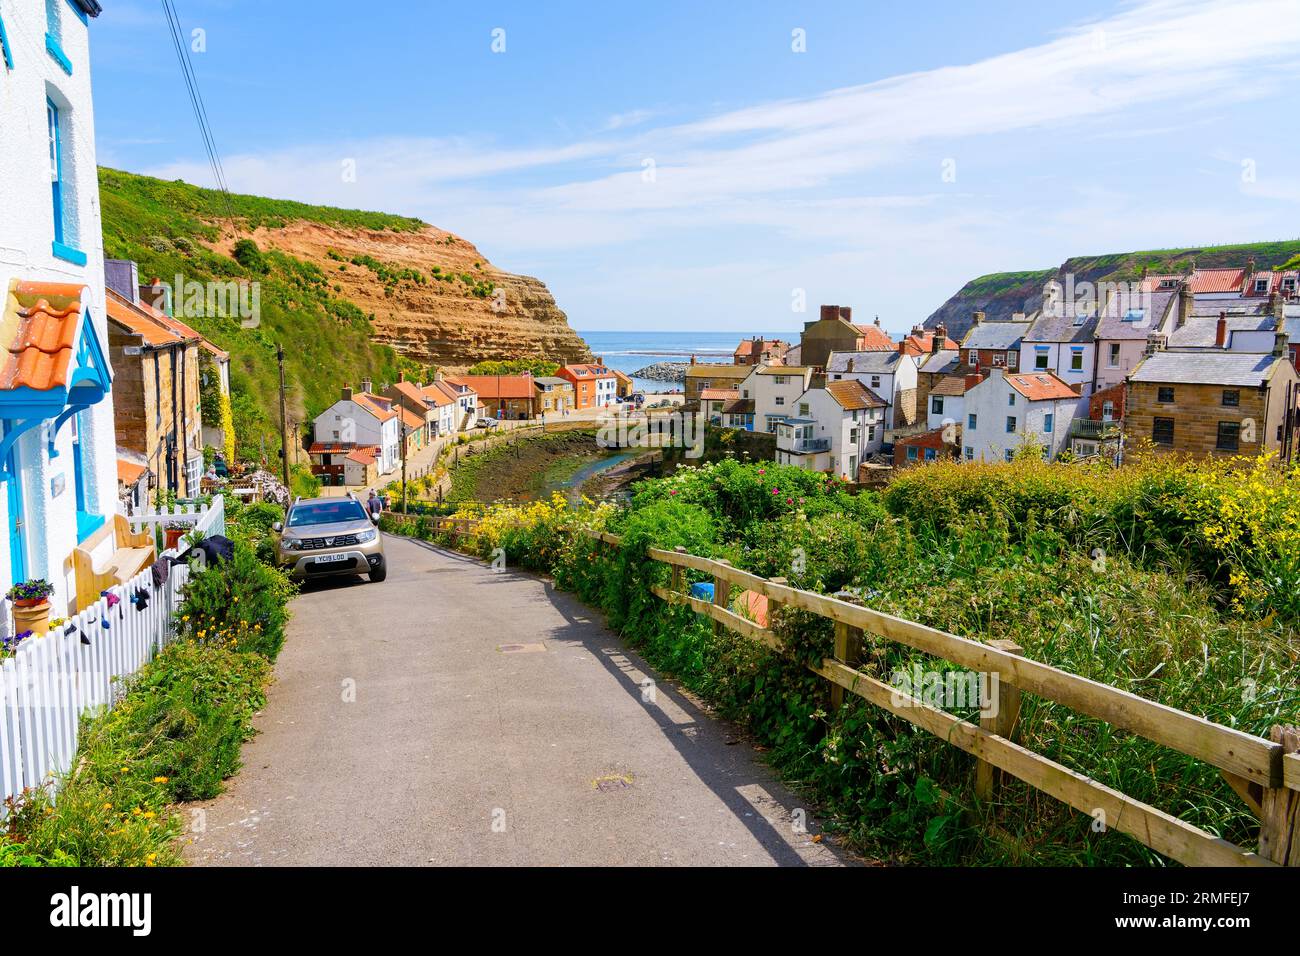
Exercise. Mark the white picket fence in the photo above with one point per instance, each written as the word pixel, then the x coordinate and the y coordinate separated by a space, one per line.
pixel 210 519
pixel 52 680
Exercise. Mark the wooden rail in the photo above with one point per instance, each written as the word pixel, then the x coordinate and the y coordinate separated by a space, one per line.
pixel 1266 773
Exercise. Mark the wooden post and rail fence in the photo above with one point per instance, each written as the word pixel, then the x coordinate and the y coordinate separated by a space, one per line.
pixel 1265 773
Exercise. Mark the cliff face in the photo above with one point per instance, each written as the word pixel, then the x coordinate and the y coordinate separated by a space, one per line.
pixel 1001 294
pixel 450 316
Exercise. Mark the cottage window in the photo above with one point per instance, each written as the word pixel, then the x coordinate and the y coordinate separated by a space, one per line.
pixel 1107 411
pixel 1047 423
pixel 1040 358
pixel 929 454
pixel 1011 424
pixel 1229 436
pixel 1261 285
pixel 1076 360
pixel 875 381
pixel 1165 395
pixel 1113 361
pixel 969 453
pixel 936 404
pixel 803 409
pixel 780 400
pixel 911 453
pixel 1011 398
pixel 1231 397
pixel 999 359
pixel 1013 360
pixel 1162 431
pixel 1009 454
pixel 971 419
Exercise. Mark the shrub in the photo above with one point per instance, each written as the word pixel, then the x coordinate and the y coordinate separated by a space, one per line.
pixel 238 604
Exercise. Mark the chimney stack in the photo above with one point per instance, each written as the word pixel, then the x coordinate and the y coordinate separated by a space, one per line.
pixel 1221 331
pixel 1185 302
pixel 365 385
pixel 692 359
pixel 347 394
pixel 940 337
pixel 401 376
pixel 977 317
pixel 849 367
pixel 846 313
pixel 877 321
pixel 830 312
pixel 1249 279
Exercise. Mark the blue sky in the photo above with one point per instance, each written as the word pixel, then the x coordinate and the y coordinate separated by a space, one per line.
pixel 669 167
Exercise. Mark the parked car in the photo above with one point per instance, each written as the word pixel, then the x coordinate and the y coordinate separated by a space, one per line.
pixel 323 537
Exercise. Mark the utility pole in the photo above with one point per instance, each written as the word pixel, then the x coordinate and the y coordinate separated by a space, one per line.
pixel 284 431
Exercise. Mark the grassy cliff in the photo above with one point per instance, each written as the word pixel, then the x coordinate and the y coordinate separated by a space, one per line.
pixel 170 228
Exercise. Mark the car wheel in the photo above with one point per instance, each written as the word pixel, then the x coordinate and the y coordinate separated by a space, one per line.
pixel 377 574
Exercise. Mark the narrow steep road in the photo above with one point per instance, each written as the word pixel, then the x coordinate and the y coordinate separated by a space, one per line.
pixel 456 716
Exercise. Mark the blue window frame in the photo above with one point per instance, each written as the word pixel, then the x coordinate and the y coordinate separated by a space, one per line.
pixel 14 486
pixel 54 34
pixel 971 419
pixel 4 45
pixel 1011 424
pixel 62 248
pixel 911 453
pixel 1047 422
pixel 87 523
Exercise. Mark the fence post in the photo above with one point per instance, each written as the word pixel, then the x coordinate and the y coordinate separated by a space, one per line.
pixel 721 598
pixel 1002 722
pixel 1279 825
pixel 679 576
pixel 848 647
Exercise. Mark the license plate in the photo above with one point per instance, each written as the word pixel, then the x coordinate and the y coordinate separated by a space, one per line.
pixel 333 558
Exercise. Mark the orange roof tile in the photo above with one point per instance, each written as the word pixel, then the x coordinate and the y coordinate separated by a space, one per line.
pixel 719 394
pixel 872 338
pixel 41 321
pixel 363 454
pixel 852 394
pixel 129 472
pixel 488 386
pixel 1041 386
pixel 410 419
pixel 136 322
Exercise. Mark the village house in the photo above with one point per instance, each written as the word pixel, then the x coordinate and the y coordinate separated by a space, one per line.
pixel 993 344
pixel 760 351
pixel 555 395
pixel 922 341
pixel 738 413
pixel 1208 403
pixel 1125 321
pixel 1009 410
pixel 156 403
pixel 505 397
pixel 889 375
pixel 58 456
pixel 774 389
pixel 410 398
pixel 947 404
pixel 1062 340
pixel 446 408
pixel 624 387
pixel 594 385
pixel 834 331
pixel 714 400
pixel 833 429
pixel 931 370
pixel 360 418
pixel 700 375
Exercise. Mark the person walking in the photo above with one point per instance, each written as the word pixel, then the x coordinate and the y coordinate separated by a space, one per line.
pixel 375 505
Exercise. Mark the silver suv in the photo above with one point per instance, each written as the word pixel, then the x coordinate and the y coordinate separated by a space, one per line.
pixel 322 537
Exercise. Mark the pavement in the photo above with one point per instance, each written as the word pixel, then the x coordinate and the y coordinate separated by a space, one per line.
pixel 453 715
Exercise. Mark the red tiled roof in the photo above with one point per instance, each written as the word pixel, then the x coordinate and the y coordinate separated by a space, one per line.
pixel 40 321
pixel 852 394
pixel 1040 386
pixel 330 447
pixel 872 338
pixel 921 344
pixel 377 405
pixel 129 472
pixel 719 394
pixel 495 387
pixel 138 323
pixel 410 390
pixel 364 454
pixel 439 394
pixel 1217 280
pixel 586 370
pixel 410 419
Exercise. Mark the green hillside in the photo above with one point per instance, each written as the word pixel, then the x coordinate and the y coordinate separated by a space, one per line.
pixel 326 338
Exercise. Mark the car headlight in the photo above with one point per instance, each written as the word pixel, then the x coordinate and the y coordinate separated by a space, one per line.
pixel 368 535
pixel 291 544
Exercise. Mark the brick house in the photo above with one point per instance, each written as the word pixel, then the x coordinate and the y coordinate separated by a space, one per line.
pixel 834 331
pixel 701 375
pixel 555 395
pixel 934 445
pixel 508 397
pixel 988 345
pixel 1215 403
pixel 594 385
pixel 760 351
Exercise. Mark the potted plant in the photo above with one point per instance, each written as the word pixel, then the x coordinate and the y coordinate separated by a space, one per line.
pixel 174 531
pixel 31 600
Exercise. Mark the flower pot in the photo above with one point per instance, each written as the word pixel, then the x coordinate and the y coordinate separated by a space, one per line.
pixel 34 617
pixel 174 536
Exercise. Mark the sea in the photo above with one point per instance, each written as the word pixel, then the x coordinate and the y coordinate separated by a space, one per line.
pixel 630 351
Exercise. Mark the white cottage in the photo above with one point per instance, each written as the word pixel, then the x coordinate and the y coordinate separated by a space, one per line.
pixel 774 389
pixel 890 375
pixel 833 429
pixel 1011 409
pixel 360 418
pixel 57 446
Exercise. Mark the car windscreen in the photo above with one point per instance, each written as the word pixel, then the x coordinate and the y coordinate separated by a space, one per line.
pixel 326 512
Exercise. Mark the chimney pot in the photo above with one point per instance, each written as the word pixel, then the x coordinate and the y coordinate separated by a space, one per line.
pixel 365 384
pixel 977 317
pixel 1221 331
pixel 846 313
pixel 347 394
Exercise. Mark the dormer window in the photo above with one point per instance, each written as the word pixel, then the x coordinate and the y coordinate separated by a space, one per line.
pixel 1168 283
pixel 1261 285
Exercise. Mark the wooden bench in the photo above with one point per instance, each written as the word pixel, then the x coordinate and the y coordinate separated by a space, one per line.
pixel 132 553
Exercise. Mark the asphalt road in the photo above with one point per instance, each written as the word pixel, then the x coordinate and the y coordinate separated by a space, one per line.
pixel 454 715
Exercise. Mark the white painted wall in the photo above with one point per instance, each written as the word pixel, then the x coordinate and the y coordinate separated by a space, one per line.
pixel 774 394
pixel 989 440
pixel 26 237
pixel 347 420
pixel 954 411
pixel 1130 353
pixel 1060 359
